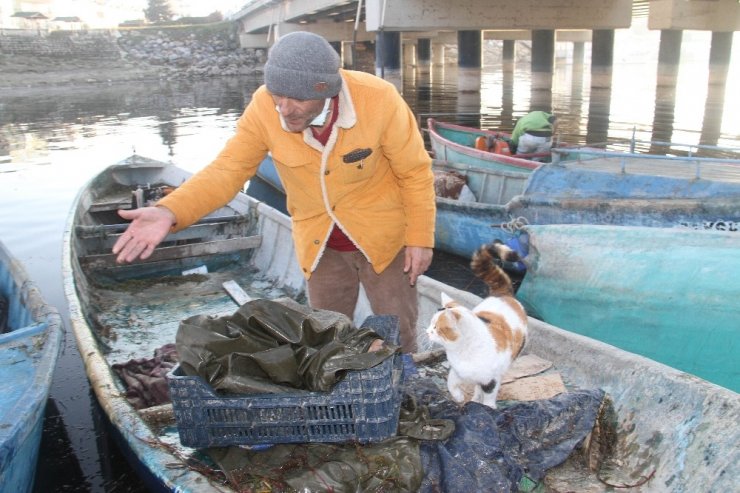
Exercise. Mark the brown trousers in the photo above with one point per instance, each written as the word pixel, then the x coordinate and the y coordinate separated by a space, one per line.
pixel 335 285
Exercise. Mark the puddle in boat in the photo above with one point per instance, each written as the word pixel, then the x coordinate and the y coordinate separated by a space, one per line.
pixel 139 315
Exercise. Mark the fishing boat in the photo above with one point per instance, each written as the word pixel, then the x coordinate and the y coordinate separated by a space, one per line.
pixel 674 289
pixel 577 193
pixel 672 431
pixel 30 341
pixel 500 202
pixel 478 147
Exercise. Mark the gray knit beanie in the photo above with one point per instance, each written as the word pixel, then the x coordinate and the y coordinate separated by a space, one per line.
pixel 303 65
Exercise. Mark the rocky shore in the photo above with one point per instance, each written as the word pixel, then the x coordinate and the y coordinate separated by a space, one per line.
pixel 119 56
pixel 166 53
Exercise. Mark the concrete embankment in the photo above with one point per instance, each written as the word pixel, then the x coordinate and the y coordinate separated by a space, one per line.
pixel 68 57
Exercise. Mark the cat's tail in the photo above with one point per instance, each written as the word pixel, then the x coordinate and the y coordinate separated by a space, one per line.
pixel 486 265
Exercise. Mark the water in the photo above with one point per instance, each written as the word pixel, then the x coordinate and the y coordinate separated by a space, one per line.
pixel 53 140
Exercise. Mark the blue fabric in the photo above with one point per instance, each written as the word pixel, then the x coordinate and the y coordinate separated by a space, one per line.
pixel 493 449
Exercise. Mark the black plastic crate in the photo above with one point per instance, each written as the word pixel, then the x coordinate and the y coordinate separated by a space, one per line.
pixel 363 407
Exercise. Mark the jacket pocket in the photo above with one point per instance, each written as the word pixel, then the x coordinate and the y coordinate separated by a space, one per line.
pixel 291 158
pixel 359 168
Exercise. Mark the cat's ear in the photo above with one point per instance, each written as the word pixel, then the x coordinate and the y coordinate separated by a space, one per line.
pixel 447 302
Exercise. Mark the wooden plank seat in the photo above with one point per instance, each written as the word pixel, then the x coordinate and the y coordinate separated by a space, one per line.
pixel 111 205
pixel 105 230
pixel 180 251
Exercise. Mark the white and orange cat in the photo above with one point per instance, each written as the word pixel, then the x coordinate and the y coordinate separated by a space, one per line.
pixel 482 343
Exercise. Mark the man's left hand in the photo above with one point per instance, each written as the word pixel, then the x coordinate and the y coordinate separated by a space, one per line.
pixel 418 260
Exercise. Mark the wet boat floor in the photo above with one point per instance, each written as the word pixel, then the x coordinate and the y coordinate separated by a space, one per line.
pixel 138 317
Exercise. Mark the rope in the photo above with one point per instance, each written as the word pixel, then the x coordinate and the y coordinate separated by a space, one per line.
pixel 515 225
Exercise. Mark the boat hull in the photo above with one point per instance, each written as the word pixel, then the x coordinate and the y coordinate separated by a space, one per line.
pixel 462 227
pixel 28 355
pixel 666 294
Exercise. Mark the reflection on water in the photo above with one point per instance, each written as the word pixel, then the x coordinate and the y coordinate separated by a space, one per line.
pixel 53 140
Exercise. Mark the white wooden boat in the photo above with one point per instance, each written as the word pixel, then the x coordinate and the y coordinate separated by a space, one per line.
pixel 676 431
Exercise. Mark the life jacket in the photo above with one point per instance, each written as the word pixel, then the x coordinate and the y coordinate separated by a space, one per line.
pixel 488 143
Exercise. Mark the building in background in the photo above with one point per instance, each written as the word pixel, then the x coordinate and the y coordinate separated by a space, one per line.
pixel 111 13
pixel 91 14
pixel 29 14
pixel 200 8
pixel 101 14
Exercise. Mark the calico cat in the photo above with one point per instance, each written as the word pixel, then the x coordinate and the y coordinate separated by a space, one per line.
pixel 481 343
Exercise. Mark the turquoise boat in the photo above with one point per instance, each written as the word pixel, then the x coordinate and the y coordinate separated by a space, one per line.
pixel 669 295
pixel 665 422
pixel 30 341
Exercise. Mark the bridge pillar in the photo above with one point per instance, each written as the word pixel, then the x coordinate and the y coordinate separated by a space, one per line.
pixel 507 96
pixel 599 114
pixel 719 57
pixel 469 58
pixel 602 62
pixel 664 113
pixel 438 54
pixel 337 45
pixel 711 126
pixel 423 53
pixel 543 50
pixel 602 57
pixel 509 51
pixel 669 56
pixel 388 56
pixel 541 92
pixel 348 57
pixel 574 107
pixel 409 54
pixel 578 54
pixel 719 63
pixel 469 49
pixel 543 62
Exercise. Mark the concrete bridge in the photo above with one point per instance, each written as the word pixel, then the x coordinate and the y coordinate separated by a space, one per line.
pixel 414 32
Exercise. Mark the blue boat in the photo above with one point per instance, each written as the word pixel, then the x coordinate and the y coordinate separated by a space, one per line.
pixel 569 192
pixel 30 341
pixel 581 193
pixel 121 312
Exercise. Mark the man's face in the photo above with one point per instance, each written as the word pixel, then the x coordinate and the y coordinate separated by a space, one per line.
pixel 298 113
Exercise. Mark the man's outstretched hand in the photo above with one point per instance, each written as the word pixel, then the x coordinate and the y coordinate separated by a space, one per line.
pixel 149 226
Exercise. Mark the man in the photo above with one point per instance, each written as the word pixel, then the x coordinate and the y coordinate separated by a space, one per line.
pixel 533 133
pixel 358 181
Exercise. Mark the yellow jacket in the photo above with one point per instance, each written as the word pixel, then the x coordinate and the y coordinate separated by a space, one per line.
pixel 384 203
